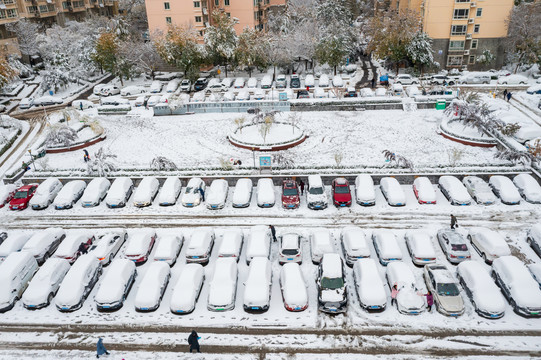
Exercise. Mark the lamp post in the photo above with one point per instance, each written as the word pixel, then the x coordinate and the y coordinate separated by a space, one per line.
pixel 32 159
pixel 253 155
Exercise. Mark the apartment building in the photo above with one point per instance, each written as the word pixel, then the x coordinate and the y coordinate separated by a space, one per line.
pixel 463 29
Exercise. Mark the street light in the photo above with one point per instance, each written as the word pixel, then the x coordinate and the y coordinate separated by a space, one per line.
pixel 32 159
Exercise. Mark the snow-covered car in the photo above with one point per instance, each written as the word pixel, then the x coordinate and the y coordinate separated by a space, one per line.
pixel 243 95
pixel 536 89
pixel 337 81
pixel 192 194
pixel 200 84
pixel 365 193
pixel 185 85
pixel 187 289
pixel 44 243
pixel 114 101
pixel 409 299
pixel 15 273
pixel 489 244
pixel 259 94
pixel 350 92
pixel 331 285
pixel 95 192
pixel 533 238
pixel 97 89
pixel 107 246
pixel 242 196
pixel 257 288
pixel 406 79
pixel 265 193
pixel 527 133
pixel 321 241
pixel 444 289
pixel 231 245
pixel 172 86
pixel 367 92
pixel 515 79
pixel 381 92
pixel 227 83
pixel 151 289
pixel 7 192
pixel 392 191
pixel 109 90
pixel 48 100
pixel 69 194
pixel 154 100
pixel 168 249
pixel 217 194
pixel 3 236
pixel 290 194
pixel 259 242
pixel 528 187
pixel 281 81
pixel 146 191
pixel 78 283
pixel 119 192
pixel 156 87
pixel 13 243
pixel 324 81
pixel 170 191
pixel 215 86
pixel 354 244
pixel 70 247
pixel 316 197
pixel 517 285
pixel 369 286
pixel 320 93
pixel 341 192
pixel 413 91
pixel 481 290
pixel 251 83
pixel 479 190
pixel 139 245
pixel 45 194
pixel 309 81
pixel 386 246
pixel 535 270
pixel 115 285
pixel 239 83
pixel 504 188
pixel 45 283
pixel 475 78
pixel 164 98
pixel 290 249
pixel 26 103
pixel 454 190
pixel 293 286
pixel 424 191
pixel 453 245
pixel 200 246
pixel 223 286
pixel 266 82
pixel 419 244
pixel 132 90
pixel 82 104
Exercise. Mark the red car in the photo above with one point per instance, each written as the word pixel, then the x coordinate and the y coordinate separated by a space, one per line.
pixel 341 195
pixel 290 194
pixel 22 197
pixel 6 194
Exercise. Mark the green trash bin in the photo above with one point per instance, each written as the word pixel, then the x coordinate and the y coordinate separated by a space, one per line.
pixel 440 104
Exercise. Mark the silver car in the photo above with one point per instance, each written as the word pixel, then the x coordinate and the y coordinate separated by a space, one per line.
pixel 479 190
pixel 453 245
pixel 444 289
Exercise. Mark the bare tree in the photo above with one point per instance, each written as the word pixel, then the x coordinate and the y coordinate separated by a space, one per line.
pixel 524 34
pixel 26 32
pixel 101 164
pixel 239 122
pixel 161 163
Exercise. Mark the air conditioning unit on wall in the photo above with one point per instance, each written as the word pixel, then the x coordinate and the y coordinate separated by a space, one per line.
pixel 469 36
pixel 473 4
pixel 466 52
pixel 471 21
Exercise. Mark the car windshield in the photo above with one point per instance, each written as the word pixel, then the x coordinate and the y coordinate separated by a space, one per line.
pixel 341 189
pixel 21 194
pixel 459 247
pixel 189 190
pixel 290 251
pixel 332 283
pixel 290 192
pixel 316 191
pixel 449 289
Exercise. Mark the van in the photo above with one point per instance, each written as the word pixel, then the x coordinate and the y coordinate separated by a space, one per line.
pixel 475 78
pixel 15 273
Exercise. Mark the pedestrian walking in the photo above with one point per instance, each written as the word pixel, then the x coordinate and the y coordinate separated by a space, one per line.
pixel 454 222
pixel 301 185
pixel 429 300
pixel 202 192
pixel 81 106
pixel 373 82
pixel 101 348
pixel 193 340
pixel 86 157
pixel 509 94
pixel 505 94
pixel 273 232
pixel 394 293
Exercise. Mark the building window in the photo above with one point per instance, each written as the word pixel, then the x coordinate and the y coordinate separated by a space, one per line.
pixel 228 14
pixel 456 45
pixel 479 12
pixel 474 44
pixel 11 13
pixel 476 28
pixel 197 4
pixel 168 20
pixel 226 2
pixel 198 19
pixel 201 33
pixel 32 9
pixel 471 60
pixel 255 15
pixel 216 2
pixel 166 6
pixel 461 14
pixel 43 9
pixel 454 60
pixel 462 1
pixel 458 29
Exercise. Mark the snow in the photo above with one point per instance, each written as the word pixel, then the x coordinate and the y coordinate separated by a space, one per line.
pixel 265 192
pixel 11 266
pixel 278 133
pixel 527 186
pixel 420 244
pixel 70 245
pixel 168 248
pixel 331 266
pixel 524 289
pixel 217 193
pixel 117 192
pixel 321 243
pixel 258 284
pixel 46 281
pixel 223 285
pixel 486 295
pixel 199 242
pixel 455 189
pixel 243 192
pixel 535 270
pixel 483 193
pixel 139 242
pixel 231 243
pixel 5 191
pixel 41 241
pixel 151 287
pixel 146 190
pixel 191 194
pixel 354 242
pixel 259 242
pixel 506 189
pixel 95 191
pixel 13 243
pixel 293 286
pixel 290 241
pixel 425 189
pixel 72 288
pixel 491 241
pixel 113 284
pixel 369 285
pixel 44 194
pixel 170 191
pixel 68 193
pixel 393 191
pixel 187 288
pixel 364 189
pixel 387 245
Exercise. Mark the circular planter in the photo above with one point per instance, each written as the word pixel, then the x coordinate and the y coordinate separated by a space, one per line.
pixel 280 137
pixel 453 129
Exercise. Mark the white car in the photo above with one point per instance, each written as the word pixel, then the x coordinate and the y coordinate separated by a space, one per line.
pixel 454 190
pixel 266 82
pixel 45 283
pixel 309 81
pixel 95 192
pixel 141 100
pixel 97 89
pixel 453 245
pixel 409 299
pixel 517 285
pixel 316 197
pixel 324 81
pixel 44 243
pixel 419 244
pixel 170 191
pixel 386 246
pixel 369 286
pixel 7 191
pixel 528 187
pixel 367 92
pixel 154 100
pixel 45 194
pixel 192 194
pixel 151 289
pixel 119 192
pixel 115 285
pixel 223 286
pixel 444 288
pixel 528 133
pixel 337 81
pixel 479 190
pixel 69 248
pixel 108 245
pixel 321 241
pixel 15 273
pixel 413 91
pixel 82 104
pixel 139 245
pixel 13 243
pixel 365 193
pixel 259 242
pixel 187 289
pixel 290 249
pixel 293 286
pixel 392 191
pixel 242 196
pixel 146 192
pixel 78 283
pixel 114 101
pixel 381 92
pixel 265 193
pixel 199 96
pixel 215 85
pixel 48 100
pixel 257 290
pixel 132 90
pixel 354 244
pixel 424 191
pixel 109 90
pixel 281 81
pixel 252 83
pixel 243 95
pixel 200 246
pixel 172 86
pixel 239 83
pixel 217 194
pixel 259 94
pixel 535 270
pixel 504 188
pixel 514 79
pixel 69 194
pixel 185 85
pixel 168 249
pixel 231 245
pixel 481 290
pixel 488 243
pixel 156 86
pixel 406 79
pixel 475 78
pixel 27 103
pixel 319 93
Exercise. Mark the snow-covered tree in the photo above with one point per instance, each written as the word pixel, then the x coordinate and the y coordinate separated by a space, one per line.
pixel 142 55
pixel 419 50
pixel 101 163
pixel 250 52
pixel 135 16
pixel 26 32
pixel 474 113
pixel 60 134
pixel 108 56
pixel 161 163
pixel 523 40
pixel 397 160
pixel 7 72
pixel 221 39
pixel 486 57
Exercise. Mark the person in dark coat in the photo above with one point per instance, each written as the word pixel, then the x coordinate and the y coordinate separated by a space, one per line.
pixel 86 156
pixel 454 222
pixel 101 348
pixel 373 82
pixel 505 94
pixel 82 249
pixel 193 340
pixel 429 300
pixel 509 94
pixel 81 106
pixel 202 192
pixel 273 232
pixel 301 185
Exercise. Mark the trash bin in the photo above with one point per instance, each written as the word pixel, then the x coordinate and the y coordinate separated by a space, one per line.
pixel 440 104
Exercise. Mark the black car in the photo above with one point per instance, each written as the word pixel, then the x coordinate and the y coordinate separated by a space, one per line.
pixel 200 84
pixel 295 82
pixel 331 285
pixel 3 236
pixel 303 94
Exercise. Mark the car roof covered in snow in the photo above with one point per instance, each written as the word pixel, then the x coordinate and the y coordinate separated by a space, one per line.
pixel 331 265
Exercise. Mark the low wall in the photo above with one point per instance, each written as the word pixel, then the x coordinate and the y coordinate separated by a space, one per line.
pixel 76 146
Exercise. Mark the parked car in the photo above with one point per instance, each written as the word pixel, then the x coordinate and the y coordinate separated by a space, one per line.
pixel 45 194
pixel 331 285
pixel 146 191
pixel 424 191
pixel 293 287
pixel 154 100
pixel 392 191
pixel 406 79
pixel 3 236
pixel 475 78
pixel 528 188
pixel 172 86
pixel 321 241
pixel 337 81
pixel 97 89
pixel 26 103
pixel 132 90
pixel 252 83
pixel 151 289
pixel 45 283
pixel 533 238
pixel 192 194
pixel 350 92
pixel 290 249
pixel 109 90
pixel 108 246
pixel 231 245
pixel 341 193
pixel 7 192
pixel 22 196
pixel 243 95
pixel 115 285
pixel 324 81
pixel 488 243
pixel 187 289
pixel 200 246
pixel 242 196
pixel 354 244
pixel 114 101
pixel 444 289
pixel 386 246
pixel 239 83
pixel 13 243
pixel 156 87
pixel 44 243
pixel 315 194
pixel 95 192
pixel 185 85
pixel 223 286
pixel 266 82
pixel 517 285
pixel 48 100
pixel 290 194
pixel 504 188
pixel 15 273
pixel 479 190
pixel 217 194
pixel 168 249
pixel 82 104
pixel 265 193
pixel 170 191
pixel 453 245
pixel 215 85
pixel 535 270
pixel 139 245
pixel 481 290
pixel 69 194
pixel 119 192
pixel 200 84
pixel 309 81
pixel 259 242
pixel 365 193
pixel 294 81
pixel 369 286
pixel 70 248
pixel 535 89
pixel 409 299
pixel 454 190
pixel 78 283
pixel 442 80
pixel 515 79
pixel 257 290
pixel 366 92
pixel 259 94
pixel 281 81
pixel 419 244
